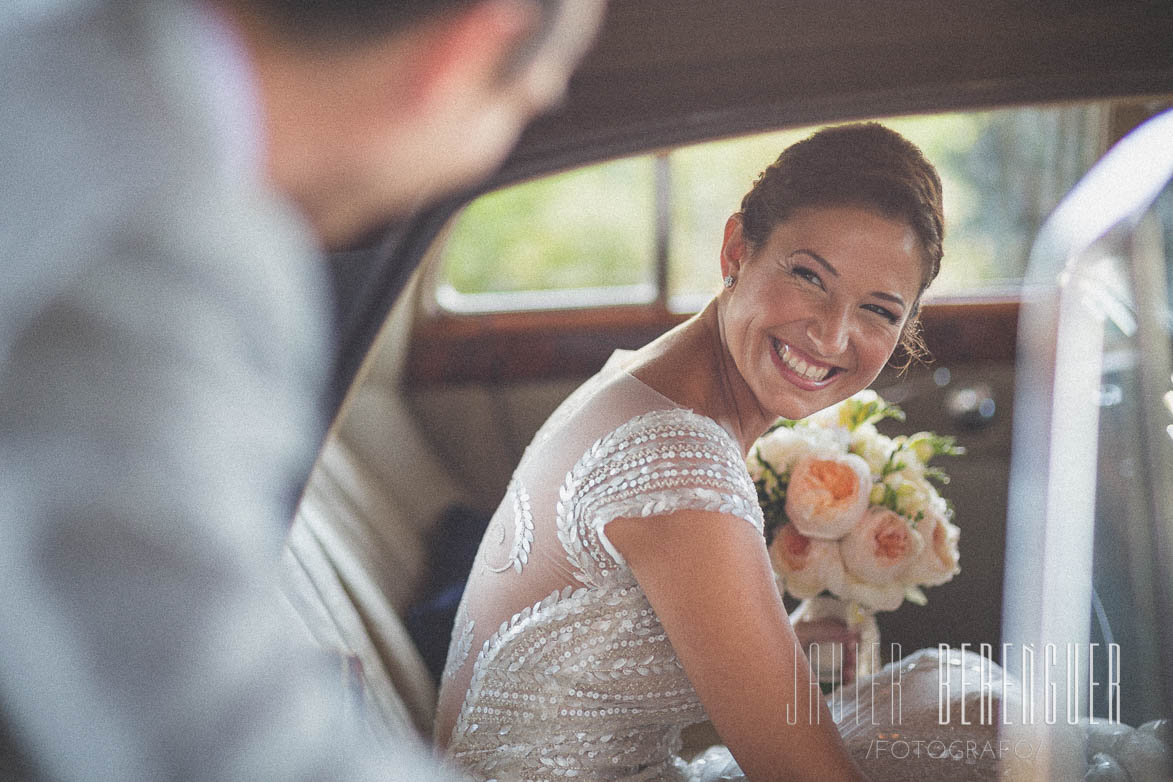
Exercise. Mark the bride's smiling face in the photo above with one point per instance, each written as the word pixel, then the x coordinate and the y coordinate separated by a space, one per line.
pixel 817 310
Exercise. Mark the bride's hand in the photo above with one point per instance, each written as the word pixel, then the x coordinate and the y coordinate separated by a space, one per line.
pixel 828 631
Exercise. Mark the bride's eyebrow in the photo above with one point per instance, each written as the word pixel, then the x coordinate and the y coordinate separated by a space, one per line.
pixel 888 297
pixel 814 255
pixel 835 273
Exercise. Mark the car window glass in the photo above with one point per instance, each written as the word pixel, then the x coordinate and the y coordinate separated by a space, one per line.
pixel 650 227
pixel 593 228
pixel 1136 422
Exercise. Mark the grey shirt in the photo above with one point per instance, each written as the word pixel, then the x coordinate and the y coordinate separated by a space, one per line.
pixel 161 353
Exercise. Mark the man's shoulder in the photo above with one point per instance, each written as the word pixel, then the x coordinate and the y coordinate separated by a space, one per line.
pixel 105 149
pixel 84 103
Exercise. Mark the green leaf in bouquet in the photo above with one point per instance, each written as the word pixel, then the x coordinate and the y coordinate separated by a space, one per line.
pixel 886 495
pixel 926 445
pixel 937 474
pixel 781 423
pixel 771 489
pixel 895 462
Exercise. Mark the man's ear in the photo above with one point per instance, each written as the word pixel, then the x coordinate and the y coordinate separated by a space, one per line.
pixel 733 246
pixel 466 49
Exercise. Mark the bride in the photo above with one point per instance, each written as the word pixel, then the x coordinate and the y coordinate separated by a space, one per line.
pixel 623 589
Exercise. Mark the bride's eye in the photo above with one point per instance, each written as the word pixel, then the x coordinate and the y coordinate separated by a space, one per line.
pixel 883 312
pixel 805 273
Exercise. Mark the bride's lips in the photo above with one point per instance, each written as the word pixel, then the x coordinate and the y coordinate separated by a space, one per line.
pixel 797 363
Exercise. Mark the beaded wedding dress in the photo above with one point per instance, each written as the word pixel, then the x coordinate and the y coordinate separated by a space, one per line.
pixel 558 663
pixel 558 667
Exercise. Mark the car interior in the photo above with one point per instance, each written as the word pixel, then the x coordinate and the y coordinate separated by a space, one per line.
pixel 460 330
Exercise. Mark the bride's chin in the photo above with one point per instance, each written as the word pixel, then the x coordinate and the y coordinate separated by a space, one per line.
pixel 796 404
pixel 792 409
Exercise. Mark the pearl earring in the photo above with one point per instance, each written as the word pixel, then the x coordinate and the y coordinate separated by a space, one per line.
pixel 729 280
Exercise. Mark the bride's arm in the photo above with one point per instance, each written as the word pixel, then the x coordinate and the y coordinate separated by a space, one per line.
pixel 708 577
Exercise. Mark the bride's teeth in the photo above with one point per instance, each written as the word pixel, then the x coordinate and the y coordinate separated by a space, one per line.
pixel 817 374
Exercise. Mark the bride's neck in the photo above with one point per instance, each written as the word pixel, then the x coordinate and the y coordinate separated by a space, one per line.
pixel 691 366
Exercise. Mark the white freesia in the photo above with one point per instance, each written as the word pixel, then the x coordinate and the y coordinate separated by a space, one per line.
pixel 921 445
pixel 827 418
pixel 828 493
pixel 836 415
pixel 871 446
pixel 914 494
pixel 912 468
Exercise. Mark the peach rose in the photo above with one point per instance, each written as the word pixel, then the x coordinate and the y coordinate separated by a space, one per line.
pixel 937 562
pixel 880 547
pixel 828 493
pixel 807 565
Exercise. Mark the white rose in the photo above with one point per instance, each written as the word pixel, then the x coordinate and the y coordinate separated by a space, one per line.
pixel 781 448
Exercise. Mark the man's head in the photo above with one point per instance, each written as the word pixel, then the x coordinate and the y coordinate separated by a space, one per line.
pixel 374 107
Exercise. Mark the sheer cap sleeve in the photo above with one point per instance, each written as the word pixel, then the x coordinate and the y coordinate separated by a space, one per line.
pixel 653 465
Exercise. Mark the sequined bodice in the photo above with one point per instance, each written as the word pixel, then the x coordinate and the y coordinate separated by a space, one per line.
pixel 572 674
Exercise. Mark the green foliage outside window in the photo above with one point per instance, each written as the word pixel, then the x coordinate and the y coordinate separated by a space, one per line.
pixel 1003 171
pixel 592 227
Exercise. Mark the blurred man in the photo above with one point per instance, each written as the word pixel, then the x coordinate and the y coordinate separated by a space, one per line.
pixel 170 170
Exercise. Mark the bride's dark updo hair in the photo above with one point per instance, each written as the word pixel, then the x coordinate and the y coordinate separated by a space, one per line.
pixel 864 165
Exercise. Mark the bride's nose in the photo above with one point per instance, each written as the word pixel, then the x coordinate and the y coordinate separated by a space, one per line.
pixel 828 331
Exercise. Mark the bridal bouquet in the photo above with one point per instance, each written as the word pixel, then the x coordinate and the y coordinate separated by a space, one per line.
pixel 852 512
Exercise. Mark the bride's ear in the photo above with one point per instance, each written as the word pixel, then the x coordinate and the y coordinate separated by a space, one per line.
pixel 733 247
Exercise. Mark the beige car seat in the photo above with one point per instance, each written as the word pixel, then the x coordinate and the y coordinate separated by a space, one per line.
pixel 355 558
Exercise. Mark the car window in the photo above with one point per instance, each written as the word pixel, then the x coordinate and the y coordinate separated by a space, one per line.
pixel 592 228
pixel 1088 546
pixel 1132 501
pixel 649 228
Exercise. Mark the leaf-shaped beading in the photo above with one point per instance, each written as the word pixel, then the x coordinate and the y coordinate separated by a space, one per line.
pixel 584 489
pixel 523 528
pixel 640 467
pixel 460 646
pixel 554 606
